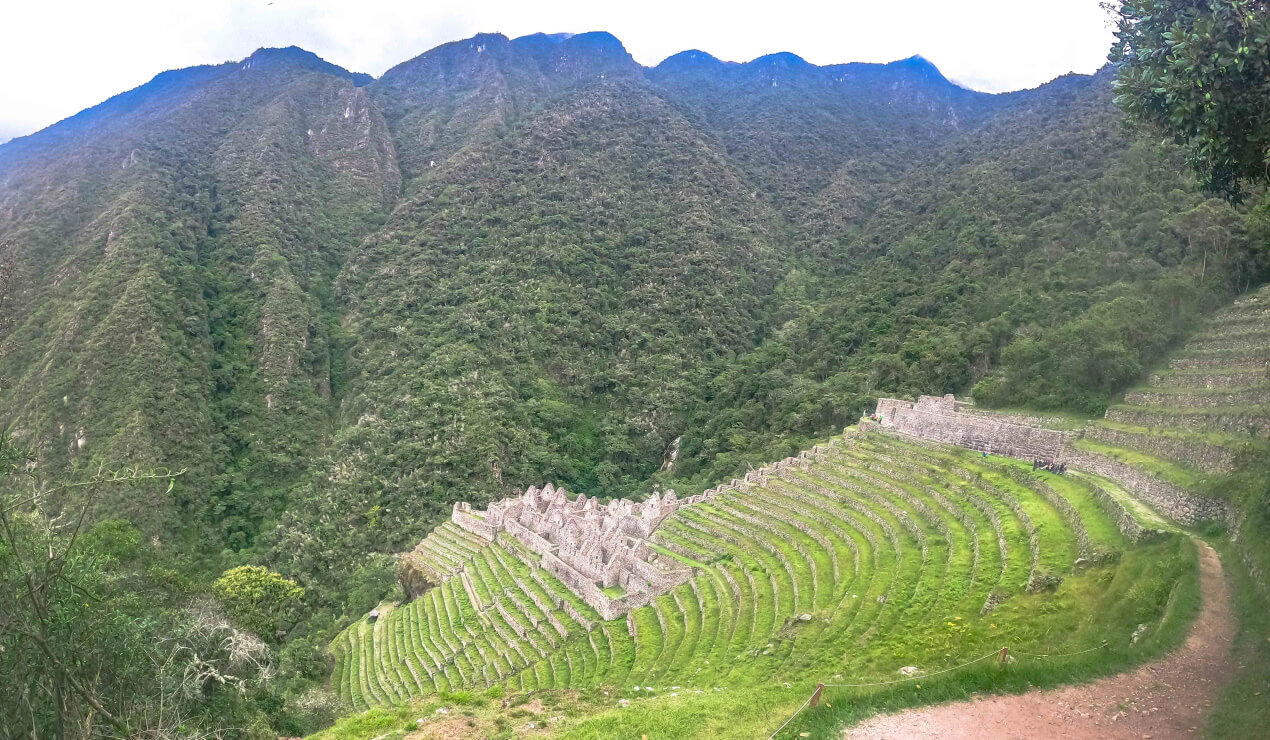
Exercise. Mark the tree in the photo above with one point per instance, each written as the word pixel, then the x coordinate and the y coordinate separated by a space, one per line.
pixel 258 599
pixel 1212 228
pixel 73 646
pixel 1198 72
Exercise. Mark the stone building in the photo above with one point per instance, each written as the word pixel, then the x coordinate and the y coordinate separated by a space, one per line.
pixel 591 548
pixel 600 552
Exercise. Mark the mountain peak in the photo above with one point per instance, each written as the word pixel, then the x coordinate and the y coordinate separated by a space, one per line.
pixel 782 59
pixel 690 59
pixel 294 57
pixel 919 65
pixel 542 38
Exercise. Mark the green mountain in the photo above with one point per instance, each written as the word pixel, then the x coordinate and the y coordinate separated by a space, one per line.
pixel 341 304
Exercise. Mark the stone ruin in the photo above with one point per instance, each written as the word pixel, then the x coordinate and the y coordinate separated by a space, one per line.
pixel 945 419
pixel 588 546
pixel 592 547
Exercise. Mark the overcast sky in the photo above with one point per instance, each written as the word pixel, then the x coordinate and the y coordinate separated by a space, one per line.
pixel 58 57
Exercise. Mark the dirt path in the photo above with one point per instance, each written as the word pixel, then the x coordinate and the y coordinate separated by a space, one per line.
pixel 1170 697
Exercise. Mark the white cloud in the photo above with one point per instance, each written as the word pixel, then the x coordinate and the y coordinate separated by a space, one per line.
pixel 60 57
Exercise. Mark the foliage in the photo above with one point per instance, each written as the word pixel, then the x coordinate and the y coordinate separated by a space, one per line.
pixel 1199 73
pixel 257 598
pixel 343 307
pixel 91 645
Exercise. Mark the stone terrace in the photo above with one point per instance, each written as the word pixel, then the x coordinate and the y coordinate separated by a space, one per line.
pixel 945 419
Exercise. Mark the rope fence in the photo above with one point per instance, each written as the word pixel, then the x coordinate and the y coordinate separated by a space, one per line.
pixel 1002 653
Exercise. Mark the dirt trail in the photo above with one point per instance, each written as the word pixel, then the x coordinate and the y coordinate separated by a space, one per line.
pixel 1170 697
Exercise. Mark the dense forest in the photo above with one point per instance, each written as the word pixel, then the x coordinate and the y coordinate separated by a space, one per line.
pixel 325 307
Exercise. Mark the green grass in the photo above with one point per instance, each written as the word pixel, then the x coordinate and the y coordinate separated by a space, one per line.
pixel 1246 702
pixel 1171 472
pixel 879 556
pixel 1218 439
pixel 671 554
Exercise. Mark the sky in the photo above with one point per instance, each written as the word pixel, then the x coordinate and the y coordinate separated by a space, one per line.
pixel 58 57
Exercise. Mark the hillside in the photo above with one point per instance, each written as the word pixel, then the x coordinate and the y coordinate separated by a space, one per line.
pixel 879 554
pixel 864 556
pixel 341 304
pixel 1198 426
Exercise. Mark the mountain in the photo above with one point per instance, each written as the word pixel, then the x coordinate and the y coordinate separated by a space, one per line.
pixel 341 304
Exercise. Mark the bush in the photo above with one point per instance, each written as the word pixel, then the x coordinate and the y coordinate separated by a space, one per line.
pixel 258 599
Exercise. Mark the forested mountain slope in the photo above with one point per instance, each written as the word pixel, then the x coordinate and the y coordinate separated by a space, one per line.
pixel 342 304
pixel 168 255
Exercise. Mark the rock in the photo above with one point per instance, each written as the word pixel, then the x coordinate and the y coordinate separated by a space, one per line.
pixel 804 617
pixel 1079 562
pixel 910 670
pixel 374 614
pixel 442 710
pixel 1137 634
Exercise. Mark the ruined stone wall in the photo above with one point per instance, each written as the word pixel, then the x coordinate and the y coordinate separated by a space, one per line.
pixel 532 540
pixel 464 518
pixel 1219 378
pixel 1169 499
pixel 1250 421
pixel 586 546
pixel 580 585
pixel 1208 457
pixel 657 578
pixel 939 420
pixel 1125 521
pixel 1200 399
pixel 946 420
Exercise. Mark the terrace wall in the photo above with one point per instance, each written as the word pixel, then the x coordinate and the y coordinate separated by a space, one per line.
pixel 944 419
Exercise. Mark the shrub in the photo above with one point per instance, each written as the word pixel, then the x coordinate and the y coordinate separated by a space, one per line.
pixel 258 599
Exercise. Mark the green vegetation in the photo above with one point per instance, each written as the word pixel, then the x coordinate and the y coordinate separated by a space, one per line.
pixel 880 555
pixel 1198 72
pixel 340 305
pixel 1163 468
pixel 98 631
pixel 1234 334
pixel 257 598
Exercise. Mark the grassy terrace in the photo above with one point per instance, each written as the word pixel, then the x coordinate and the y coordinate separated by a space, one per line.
pixel 881 554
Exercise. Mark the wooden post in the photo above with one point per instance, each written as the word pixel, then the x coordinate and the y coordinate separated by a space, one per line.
pixel 815 698
pixel 1004 654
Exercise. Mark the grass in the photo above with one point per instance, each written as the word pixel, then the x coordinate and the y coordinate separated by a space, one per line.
pixel 1246 702
pixel 880 556
pixel 1159 467
pixel 1218 439
pixel 671 554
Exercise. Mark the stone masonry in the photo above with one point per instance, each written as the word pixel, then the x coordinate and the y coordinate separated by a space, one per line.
pixel 945 419
pixel 592 547
pixel 587 546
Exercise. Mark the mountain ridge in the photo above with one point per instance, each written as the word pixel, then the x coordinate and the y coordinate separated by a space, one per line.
pixel 304 58
pixel 342 307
